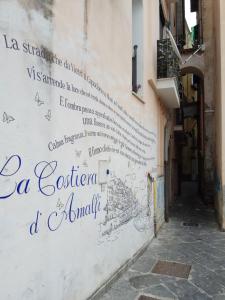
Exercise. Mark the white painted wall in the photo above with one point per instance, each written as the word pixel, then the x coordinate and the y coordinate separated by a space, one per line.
pixel 51 154
pixel 137 39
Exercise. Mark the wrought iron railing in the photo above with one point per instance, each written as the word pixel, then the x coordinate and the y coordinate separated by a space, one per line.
pixel 167 60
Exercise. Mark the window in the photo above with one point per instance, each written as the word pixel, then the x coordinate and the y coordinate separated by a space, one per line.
pixel 137 43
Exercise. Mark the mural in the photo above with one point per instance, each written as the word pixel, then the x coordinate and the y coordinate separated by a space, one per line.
pixel 58 120
pixel 124 205
pixel 100 117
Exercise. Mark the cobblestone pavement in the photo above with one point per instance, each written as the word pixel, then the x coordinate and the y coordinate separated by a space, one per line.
pixel 202 247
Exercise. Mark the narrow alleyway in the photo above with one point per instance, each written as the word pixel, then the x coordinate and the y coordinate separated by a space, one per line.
pixel 199 244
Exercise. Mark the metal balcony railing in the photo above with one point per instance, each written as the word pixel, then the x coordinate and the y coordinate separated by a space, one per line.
pixel 168 62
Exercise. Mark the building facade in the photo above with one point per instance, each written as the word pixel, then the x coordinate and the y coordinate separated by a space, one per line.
pixel 219 13
pixel 79 149
pixel 90 138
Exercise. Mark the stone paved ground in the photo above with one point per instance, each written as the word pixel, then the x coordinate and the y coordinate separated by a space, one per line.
pixel 203 247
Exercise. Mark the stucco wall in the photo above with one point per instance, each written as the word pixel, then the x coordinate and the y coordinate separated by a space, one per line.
pixel 209 96
pixel 219 23
pixel 76 145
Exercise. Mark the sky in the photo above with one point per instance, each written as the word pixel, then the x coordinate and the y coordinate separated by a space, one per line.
pixel 190 17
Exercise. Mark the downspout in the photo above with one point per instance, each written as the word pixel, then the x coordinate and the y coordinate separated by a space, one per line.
pixel 152 183
pixel 155 206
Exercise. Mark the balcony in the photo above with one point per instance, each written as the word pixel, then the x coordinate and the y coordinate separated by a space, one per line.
pixel 168 74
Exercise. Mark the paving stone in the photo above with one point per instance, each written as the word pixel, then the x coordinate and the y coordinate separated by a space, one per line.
pixel 131 273
pixel 208 283
pixel 219 297
pixel 160 291
pixel 185 290
pixel 221 274
pixel 144 281
pixel 117 294
pixel 121 289
pixel 197 296
pixel 122 284
pixel 144 264
pixel 107 296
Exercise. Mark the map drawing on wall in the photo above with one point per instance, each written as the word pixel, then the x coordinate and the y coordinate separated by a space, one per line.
pixel 123 206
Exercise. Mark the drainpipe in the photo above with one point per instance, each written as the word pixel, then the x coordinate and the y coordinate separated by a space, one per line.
pixel 155 207
pixel 153 189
